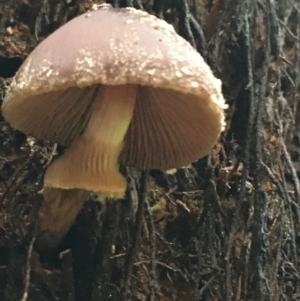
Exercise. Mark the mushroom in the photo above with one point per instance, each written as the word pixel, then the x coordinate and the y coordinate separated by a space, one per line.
pixel 116 86
pixel 57 214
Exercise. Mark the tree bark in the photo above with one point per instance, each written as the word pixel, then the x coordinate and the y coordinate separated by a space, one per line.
pixel 224 228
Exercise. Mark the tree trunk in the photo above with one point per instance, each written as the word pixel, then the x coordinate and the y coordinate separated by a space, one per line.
pixel 225 228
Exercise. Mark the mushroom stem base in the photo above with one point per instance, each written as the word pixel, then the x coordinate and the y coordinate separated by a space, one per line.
pixel 57 214
pixel 91 162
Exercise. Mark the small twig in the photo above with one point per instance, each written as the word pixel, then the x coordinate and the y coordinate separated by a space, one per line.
pixel 50 158
pixel 199 35
pixel 291 226
pixel 67 265
pixel 273 179
pixel 289 31
pixel 28 270
pixel 142 193
pixel 154 284
pixel 278 255
pixel 294 6
pixel 293 171
pixel 174 270
pixel 185 21
pixel 44 13
pixel 206 285
pixel 288 76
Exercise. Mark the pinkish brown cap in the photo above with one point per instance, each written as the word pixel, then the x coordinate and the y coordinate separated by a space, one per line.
pixel 179 108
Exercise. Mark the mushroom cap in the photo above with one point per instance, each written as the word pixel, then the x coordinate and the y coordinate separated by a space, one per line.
pixel 51 95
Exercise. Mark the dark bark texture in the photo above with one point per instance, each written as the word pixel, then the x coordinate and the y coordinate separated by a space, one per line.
pixel 225 228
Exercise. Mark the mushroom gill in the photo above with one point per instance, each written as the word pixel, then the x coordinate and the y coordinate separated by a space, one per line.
pixel 91 162
pixel 170 129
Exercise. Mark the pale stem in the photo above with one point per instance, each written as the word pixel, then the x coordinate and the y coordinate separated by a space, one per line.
pixel 91 162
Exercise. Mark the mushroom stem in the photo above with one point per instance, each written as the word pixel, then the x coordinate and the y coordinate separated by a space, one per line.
pixel 91 162
pixel 57 214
